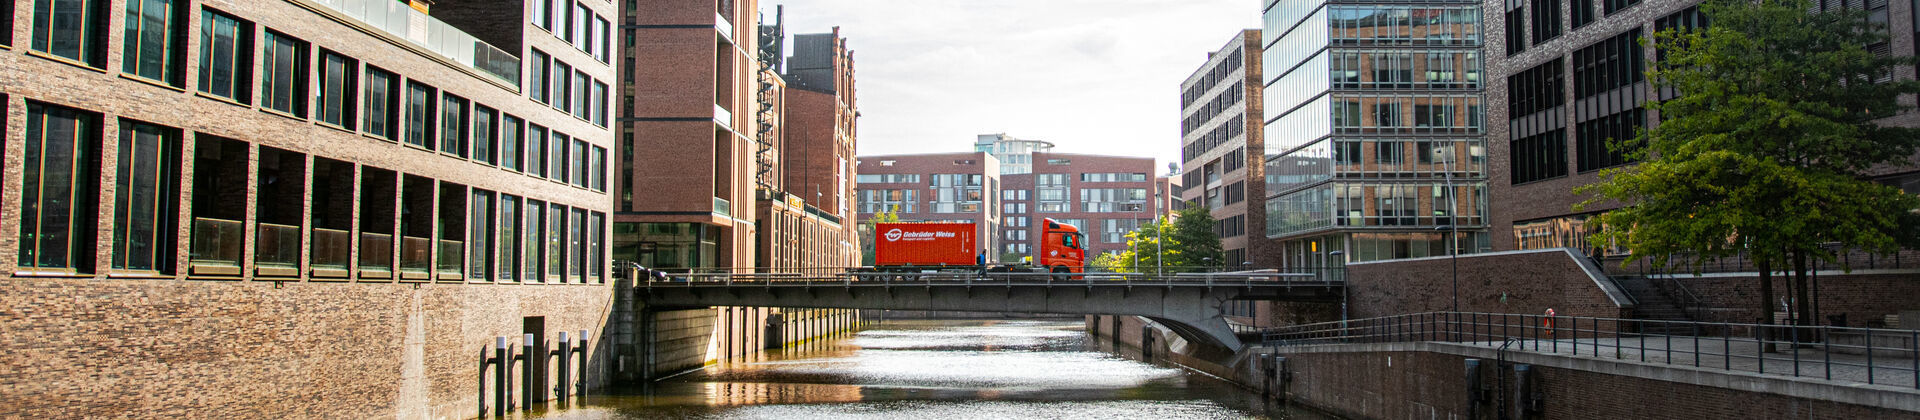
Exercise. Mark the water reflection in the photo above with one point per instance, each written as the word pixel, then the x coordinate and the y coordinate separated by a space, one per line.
pixel 936 370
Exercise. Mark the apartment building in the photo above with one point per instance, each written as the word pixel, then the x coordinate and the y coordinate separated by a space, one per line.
pixel 1221 122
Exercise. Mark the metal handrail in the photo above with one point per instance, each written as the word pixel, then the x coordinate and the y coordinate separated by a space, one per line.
pixel 1872 356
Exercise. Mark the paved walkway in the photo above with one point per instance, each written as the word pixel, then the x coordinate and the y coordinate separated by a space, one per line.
pixel 1885 367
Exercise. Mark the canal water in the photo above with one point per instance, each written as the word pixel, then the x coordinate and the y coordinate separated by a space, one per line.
pixel 938 370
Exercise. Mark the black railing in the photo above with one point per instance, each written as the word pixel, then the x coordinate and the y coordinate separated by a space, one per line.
pixel 1872 356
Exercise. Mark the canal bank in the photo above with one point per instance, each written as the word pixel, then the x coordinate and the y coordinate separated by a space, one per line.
pixel 949 369
pixel 656 342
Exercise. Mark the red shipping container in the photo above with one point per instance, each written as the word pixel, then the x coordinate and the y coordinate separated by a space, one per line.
pixel 924 244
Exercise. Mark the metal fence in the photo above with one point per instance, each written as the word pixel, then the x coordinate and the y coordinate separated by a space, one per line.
pixel 962 276
pixel 1872 356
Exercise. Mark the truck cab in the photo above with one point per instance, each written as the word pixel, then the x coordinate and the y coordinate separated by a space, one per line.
pixel 1062 248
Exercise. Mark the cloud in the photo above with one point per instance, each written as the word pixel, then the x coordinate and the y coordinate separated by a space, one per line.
pixel 1092 76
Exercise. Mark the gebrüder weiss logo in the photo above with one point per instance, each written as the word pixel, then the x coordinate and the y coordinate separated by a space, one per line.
pixel 893 235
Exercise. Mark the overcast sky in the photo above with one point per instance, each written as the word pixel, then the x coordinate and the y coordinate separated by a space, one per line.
pixel 1091 76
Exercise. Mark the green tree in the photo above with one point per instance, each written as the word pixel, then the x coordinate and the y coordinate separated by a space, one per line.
pixel 867 230
pixel 1193 235
pixel 1765 151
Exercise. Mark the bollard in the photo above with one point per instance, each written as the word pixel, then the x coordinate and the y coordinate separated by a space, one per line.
pixel 501 357
pixel 1524 401
pixel 582 349
pixel 527 361
pixel 560 383
pixel 1283 377
pixel 1474 388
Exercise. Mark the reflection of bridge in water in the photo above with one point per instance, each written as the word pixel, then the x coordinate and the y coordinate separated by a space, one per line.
pixel 1191 304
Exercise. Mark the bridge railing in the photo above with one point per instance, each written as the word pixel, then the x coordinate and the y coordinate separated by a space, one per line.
pixel 967 276
pixel 1867 355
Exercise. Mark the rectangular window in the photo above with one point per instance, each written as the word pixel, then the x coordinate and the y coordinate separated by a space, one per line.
pixel 1516 27
pixel 71 29
pixel 605 53
pixel 537 151
pixel 155 39
pixel 420 113
pixel 557 157
pixel 1613 6
pixel 577 162
pixel 513 133
pixel 584 29
pixel 537 83
pixel 485 132
pixel 146 198
pixel 479 236
pixel 1546 20
pixel 510 239
pixel 541 18
pixel 1601 141
pixel 556 260
pixel 454 125
pixel 597 264
pixel 59 189
pixel 599 169
pixel 1539 157
pixel 283 77
pixel 562 86
pixel 1582 13
pixel 582 95
pixel 600 104
pixel 536 243
pixel 382 102
pixel 226 56
pixel 339 79
pixel 6 24
pixel 577 244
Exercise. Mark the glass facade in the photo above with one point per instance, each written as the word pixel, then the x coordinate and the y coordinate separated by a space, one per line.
pixel 1375 130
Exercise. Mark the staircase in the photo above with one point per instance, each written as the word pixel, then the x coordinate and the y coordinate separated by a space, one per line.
pixel 1654 305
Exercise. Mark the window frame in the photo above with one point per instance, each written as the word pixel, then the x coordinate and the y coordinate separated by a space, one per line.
pixel 422 115
pixel 389 101
pixel 294 76
pixel 82 198
pixel 240 69
pixel 90 47
pixel 173 64
pixel 346 96
pixel 164 195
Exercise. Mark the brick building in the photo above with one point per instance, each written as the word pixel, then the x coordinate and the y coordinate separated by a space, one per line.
pixel 1374 136
pixel 807 134
pixel 271 195
pixel 1105 196
pixel 1221 110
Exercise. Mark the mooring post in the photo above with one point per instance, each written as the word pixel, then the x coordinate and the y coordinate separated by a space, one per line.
pixel 561 384
pixel 1474 388
pixel 527 361
pixel 582 349
pixel 1523 396
pixel 501 357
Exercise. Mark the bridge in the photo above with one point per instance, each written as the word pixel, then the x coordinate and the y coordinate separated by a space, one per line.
pixel 1190 304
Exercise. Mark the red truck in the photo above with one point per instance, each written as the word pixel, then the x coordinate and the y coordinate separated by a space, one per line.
pixel 920 246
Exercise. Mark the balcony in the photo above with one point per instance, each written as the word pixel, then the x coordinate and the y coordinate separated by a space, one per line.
pixel 722 207
pixel 376 255
pixel 216 246
pixel 416 258
pixel 332 251
pixel 278 251
pixel 402 22
pixel 450 259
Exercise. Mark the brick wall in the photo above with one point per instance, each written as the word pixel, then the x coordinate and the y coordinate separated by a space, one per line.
pixel 1863 298
pixel 84 348
pixel 1526 282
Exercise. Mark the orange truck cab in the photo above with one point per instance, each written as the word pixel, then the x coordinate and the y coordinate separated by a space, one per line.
pixel 1062 248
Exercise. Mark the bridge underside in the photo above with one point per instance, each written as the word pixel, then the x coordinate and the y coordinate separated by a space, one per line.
pixel 1194 312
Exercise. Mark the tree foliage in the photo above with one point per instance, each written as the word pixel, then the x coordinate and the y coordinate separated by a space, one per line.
pixel 1766 149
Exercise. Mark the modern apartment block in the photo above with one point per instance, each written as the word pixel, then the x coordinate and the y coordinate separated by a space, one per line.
pixel 1563 83
pixel 1221 122
pixel 359 191
pixel 933 187
pixel 1374 134
pixel 688 134
pixel 1016 155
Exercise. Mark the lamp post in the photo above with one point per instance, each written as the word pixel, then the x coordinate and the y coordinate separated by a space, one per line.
pixel 1340 256
pixel 1159 250
pixel 1454 255
pixel 1453 225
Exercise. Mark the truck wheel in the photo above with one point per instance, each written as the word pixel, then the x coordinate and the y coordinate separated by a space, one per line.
pixel 1060 273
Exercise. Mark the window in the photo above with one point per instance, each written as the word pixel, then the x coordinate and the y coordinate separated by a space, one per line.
pixel 1516 27
pixel 382 103
pixel 562 88
pixel 1600 140
pixel 600 104
pixel 454 120
pixel 1546 20
pixel 420 115
pixel 1540 156
pixel 338 78
pixel 582 94
pixel 577 243
pixel 513 133
pixel 155 40
pixel 537 83
pixel 71 29
pixel 6 25
pixel 480 246
pixel 510 240
pixel 537 151
pixel 556 260
pixel 1612 63
pixel 57 197
pixel 599 169
pixel 1613 6
pixel 226 56
pixel 597 248
pixel 557 157
pixel 1582 13
pixel 1537 89
pixel 485 132
pixel 583 29
pixel 283 78
pixel 535 243
pixel 541 18
pixel 579 161
pixel 605 53
pixel 146 198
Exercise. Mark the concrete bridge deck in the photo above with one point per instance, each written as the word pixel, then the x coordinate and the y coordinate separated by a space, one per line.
pixel 1190 304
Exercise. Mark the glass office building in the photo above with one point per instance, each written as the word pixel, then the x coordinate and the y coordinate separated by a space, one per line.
pixel 1375 140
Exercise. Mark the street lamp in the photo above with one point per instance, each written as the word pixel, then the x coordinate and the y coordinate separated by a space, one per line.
pixel 1454 255
pixel 1345 291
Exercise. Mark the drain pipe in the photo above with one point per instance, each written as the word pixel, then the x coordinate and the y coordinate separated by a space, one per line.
pixel 561 384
